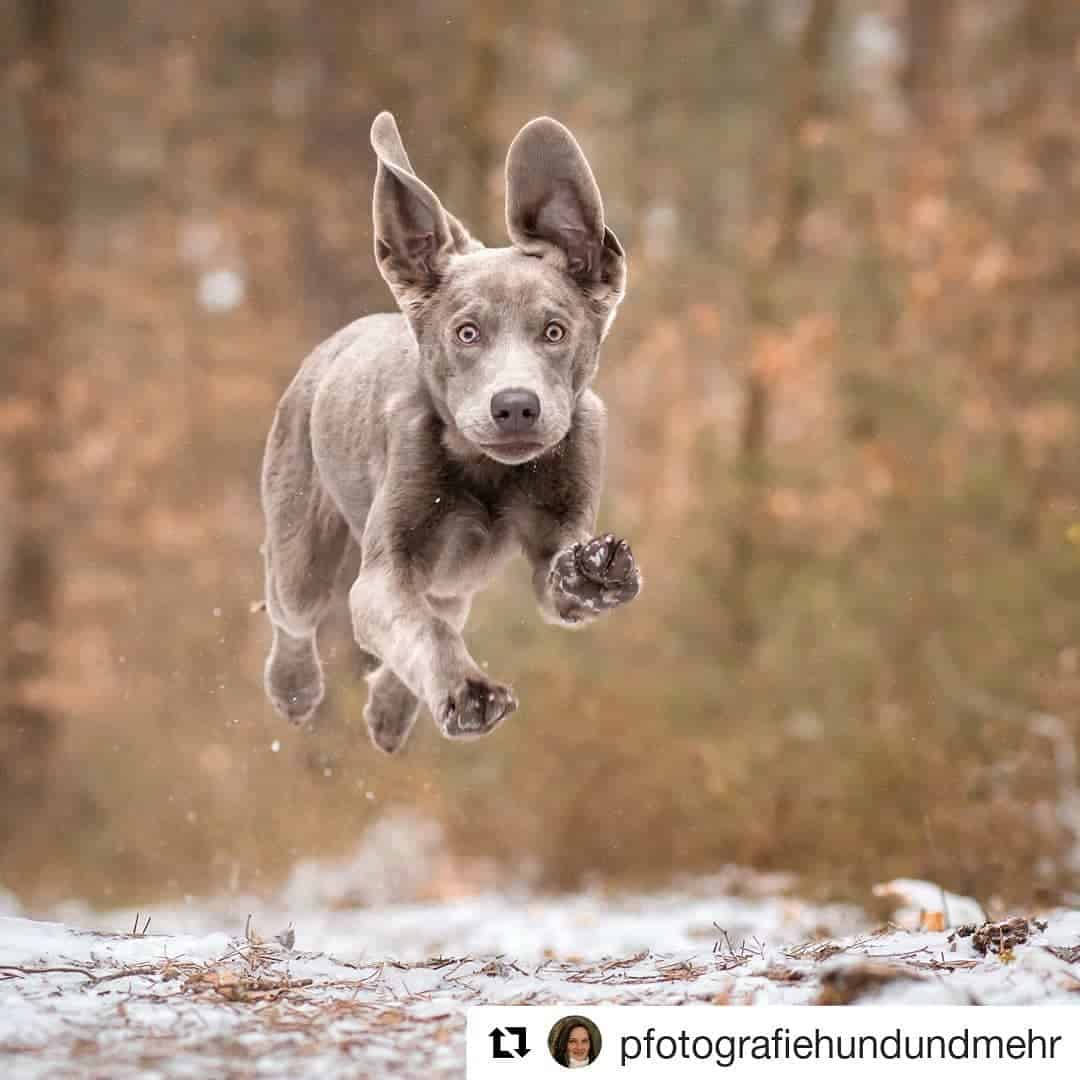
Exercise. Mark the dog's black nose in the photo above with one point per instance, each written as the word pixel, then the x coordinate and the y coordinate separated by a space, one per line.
pixel 515 411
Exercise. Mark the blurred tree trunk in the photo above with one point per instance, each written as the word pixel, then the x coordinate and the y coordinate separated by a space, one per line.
pixel 786 188
pixel 474 123
pixel 922 79
pixel 334 145
pixel 1047 40
pixel 29 384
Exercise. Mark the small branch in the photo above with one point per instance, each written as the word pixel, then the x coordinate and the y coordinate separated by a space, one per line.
pixel 48 971
pixel 127 973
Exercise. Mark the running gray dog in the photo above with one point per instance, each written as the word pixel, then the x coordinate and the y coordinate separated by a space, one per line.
pixel 414 453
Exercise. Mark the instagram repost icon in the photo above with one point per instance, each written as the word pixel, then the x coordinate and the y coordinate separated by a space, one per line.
pixel 509 1042
pixel 574 1042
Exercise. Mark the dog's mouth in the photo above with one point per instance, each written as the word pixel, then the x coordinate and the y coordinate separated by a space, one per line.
pixel 513 451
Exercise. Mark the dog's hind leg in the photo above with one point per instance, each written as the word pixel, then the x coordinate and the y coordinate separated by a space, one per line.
pixel 392 708
pixel 363 662
pixel 300 574
pixel 293 674
pixel 306 542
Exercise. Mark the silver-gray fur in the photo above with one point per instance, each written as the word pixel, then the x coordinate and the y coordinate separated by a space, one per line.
pixel 414 453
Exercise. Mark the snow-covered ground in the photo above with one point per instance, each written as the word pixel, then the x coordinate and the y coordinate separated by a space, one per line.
pixel 331 990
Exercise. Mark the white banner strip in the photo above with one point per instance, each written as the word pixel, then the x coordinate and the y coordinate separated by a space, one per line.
pixel 953 1042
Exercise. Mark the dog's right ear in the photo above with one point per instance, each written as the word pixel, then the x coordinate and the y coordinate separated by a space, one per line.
pixel 414 235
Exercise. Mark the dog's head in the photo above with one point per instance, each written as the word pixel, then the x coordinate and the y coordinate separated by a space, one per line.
pixel 508 337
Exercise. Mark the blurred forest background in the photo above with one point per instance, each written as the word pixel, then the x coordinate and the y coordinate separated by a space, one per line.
pixel 845 398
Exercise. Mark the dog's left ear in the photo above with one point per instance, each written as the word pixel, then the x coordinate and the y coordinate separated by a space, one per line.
pixel 554 210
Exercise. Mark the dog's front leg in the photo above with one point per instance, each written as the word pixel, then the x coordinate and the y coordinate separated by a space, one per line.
pixel 576 576
pixel 392 617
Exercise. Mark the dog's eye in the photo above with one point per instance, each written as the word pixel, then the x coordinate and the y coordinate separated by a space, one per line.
pixel 468 333
pixel 554 332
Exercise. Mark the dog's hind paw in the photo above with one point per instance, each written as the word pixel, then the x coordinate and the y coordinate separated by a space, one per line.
pixel 593 577
pixel 294 684
pixel 390 711
pixel 475 708
pixel 295 701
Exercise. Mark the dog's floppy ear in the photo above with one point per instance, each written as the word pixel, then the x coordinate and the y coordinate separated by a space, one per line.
pixel 413 233
pixel 553 209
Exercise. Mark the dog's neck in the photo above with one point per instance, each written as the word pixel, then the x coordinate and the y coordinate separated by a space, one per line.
pixel 488 480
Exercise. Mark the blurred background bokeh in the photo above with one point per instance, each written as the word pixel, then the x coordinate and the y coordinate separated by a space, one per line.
pixel 845 439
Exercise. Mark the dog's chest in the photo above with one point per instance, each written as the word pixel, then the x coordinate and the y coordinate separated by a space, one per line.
pixel 470 542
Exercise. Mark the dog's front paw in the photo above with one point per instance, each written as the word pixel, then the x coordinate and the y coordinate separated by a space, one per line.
pixel 593 577
pixel 474 708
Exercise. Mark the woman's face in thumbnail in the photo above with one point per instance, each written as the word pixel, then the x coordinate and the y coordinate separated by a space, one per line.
pixel 577 1046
